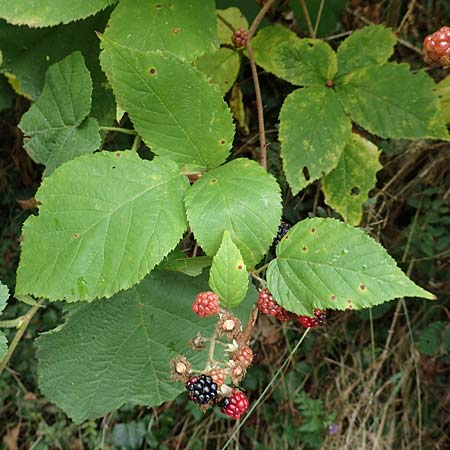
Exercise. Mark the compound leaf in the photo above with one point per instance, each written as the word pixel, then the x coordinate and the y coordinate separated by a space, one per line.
pixel 303 62
pixel 49 12
pixel 184 29
pixel 175 109
pixel 105 221
pixel 118 350
pixel 228 275
pixel 392 102
pixel 324 263
pixel 221 67
pixel 346 187
pixel 313 133
pixel 364 47
pixel 240 197
pixel 57 123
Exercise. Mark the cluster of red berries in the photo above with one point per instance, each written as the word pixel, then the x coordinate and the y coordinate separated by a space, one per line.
pixel 268 305
pixel 436 48
pixel 240 38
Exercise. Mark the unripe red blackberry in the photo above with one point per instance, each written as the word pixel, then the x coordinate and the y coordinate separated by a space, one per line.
pixel 240 38
pixel 268 305
pixel 206 304
pixel 313 322
pixel 201 389
pixel 243 355
pixel 436 48
pixel 235 405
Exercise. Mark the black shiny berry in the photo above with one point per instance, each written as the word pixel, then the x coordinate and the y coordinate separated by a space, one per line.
pixel 201 389
pixel 283 228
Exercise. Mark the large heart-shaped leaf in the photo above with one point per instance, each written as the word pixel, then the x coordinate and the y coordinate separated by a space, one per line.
pixel 346 188
pixel 185 29
pixel 324 263
pixel 105 221
pixel 314 130
pixel 392 102
pixel 187 121
pixel 240 197
pixel 49 12
pixel 118 350
pixel 57 123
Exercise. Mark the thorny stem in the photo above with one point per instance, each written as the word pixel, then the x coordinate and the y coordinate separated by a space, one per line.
pixel 20 332
pixel 212 346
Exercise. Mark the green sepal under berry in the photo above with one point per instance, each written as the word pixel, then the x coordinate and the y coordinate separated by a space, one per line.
pixel 326 264
pixel 228 276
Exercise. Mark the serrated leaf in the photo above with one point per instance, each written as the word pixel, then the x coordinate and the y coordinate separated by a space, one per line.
pixel 303 62
pixel 185 29
pixel 114 351
pixel 187 121
pixel 369 45
pixel 57 125
pixel 326 264
pixel 234 17
pixel 4 295
pixel 49 12
pixel 313 133
pixel 443 92
pixel 346 187
pixel 221 67
pixel 105 221
pixel 228 275
pixel 392 102
pixel 129 436
pixel 240 197
pixel 3 345
pixel 178 262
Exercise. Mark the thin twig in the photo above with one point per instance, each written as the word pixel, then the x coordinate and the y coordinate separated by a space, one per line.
pixel 308 19
pixel 118 130
pixel 258 19
pixel 20 332
pixel 319 16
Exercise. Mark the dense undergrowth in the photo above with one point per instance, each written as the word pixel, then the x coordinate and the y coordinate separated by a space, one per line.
pixel 376 379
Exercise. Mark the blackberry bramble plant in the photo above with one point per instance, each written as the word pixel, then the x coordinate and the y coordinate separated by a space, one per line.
pixel 163 250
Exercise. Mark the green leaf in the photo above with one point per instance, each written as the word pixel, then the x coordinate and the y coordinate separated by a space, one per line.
pixel 364 47
pixel 390 101
pixel 6 94
pixel 240 197
pixel 3 345
pixel 313 133
pixel 221 67
pixel 114 351
pixel 431 339
pixel 346 188
pixel 49 12
pixel 326 264
pixel 175 109
pixel 184 29
pixel 105 221
pixel 303 62
pixel 228 275
pixel 57 124
pixel 443 92
pixel 4 295
pixel 178 262
pixel 234 17
pixel 129 436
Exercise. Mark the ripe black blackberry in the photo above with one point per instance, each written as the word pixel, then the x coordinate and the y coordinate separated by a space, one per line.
pixel 283 228
pixel 201 389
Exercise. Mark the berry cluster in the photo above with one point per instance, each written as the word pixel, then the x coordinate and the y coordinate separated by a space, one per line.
pixel 235 405
pixel 268 305
pixel 206 304
pixel 240 38
pixel 283 228
pixel 202 389
pixel 436 48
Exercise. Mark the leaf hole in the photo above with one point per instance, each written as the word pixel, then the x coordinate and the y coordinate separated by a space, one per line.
pixel 113 167
pixel 310 45
pixel 306 173
pixel 153 72
pixel 158 6
pixel 355 191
